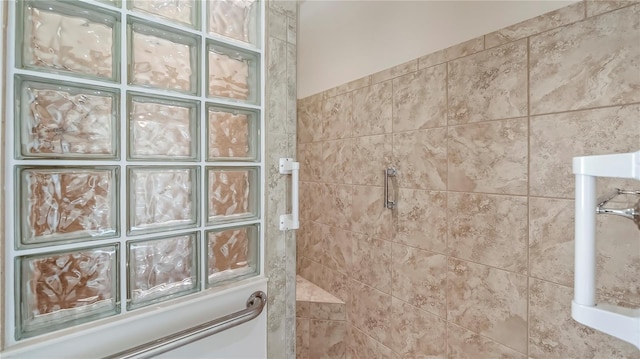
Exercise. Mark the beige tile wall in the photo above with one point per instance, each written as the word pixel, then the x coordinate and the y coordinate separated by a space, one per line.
pixel 477 259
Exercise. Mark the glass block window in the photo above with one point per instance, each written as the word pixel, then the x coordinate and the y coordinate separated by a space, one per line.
pixel 134 165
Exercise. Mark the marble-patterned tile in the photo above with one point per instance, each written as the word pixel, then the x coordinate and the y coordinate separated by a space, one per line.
pixel 292 90
pixel 292 30
pixel 488 301
pixel 597 7
pixel 421 158
pixel 287 7
pixel 312 235
pixel 328 311
pixel 464 344
pixel 276 94
pixel 327 339
pixel 489 85
pixel 369 310
pixel 349 86
pixel 338 205
pixel 337 117
pixel 336 161
pixel 302 338
pixel 368 215
pixel 462 49
pixel 551 20
pixel 395 71
pixel 557 138
pixel 277 25
pixel 362 346
pixel 312 198
pixel 337 250
pixel 422 220
pixel 488 229
pixel 333 282
pixel 372 109
pixel 416 333
pixel 310 158
pixel 419 278
pixel 309 270
pixel 554 334
pixel 371 156
pixel 307 291
pixel 302 309
pixel 371 262
pixel 588 64
pixel 551 239
pixel 420 99
pixel 489 157
pixel 310 119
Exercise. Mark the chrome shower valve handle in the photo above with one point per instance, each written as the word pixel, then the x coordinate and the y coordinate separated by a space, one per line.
pixel 632 213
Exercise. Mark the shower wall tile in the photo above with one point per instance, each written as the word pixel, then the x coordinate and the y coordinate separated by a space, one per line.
pixel 326 338
pixel 338 205
pixel 336 118
pixel 277 25
pixel 554 334
pixel 328 311
pixel 371 156
pixel 551 239
pixel 551 20
pixel 372 263
pixel 421 159
pixel 395 71
pixel 488 301
pixel 312 198
pixel 597 7
pixel 362 346
pixel 416 333
pixel 302 338
pixel 372 109
pixel 488 229
pixel 337 245
pixel 556 138
pixel 368 215
pixel 489 157
pixel 349 86
pixel 336 158
pixel 483 141
pixel 419 278
pixel 310 158
pixel 310 119
pixel 370 311
pixel 462 49
pixel 422 220
pixel 463 344
pixel 420 99
pixel 292 90
pixel 563 77
pixel 489 85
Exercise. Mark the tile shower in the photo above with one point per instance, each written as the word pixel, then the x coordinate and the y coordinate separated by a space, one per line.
pixel 476 261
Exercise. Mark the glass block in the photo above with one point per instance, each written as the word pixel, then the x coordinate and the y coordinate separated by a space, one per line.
pixel 67 204
pixel 232 194
pixel 162 128
pixel 232 253
pixel 163 58
pixel 63 37
pixel 161 269
pixel 162 197
pixel 62 120
pixel 232 134
pixel 180 11
pixel 236 19
pixel 61 289
pixel 232 73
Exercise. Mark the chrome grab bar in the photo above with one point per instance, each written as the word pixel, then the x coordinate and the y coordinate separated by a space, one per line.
pixel 255 305
pixel 389 172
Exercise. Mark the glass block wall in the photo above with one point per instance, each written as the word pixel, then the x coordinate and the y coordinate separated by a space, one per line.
pixel 135 165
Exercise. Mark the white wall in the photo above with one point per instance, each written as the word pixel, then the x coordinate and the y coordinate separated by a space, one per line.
pixel 340 41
